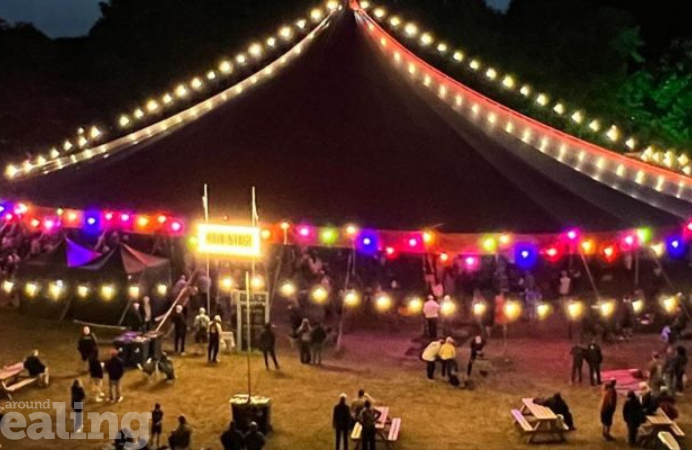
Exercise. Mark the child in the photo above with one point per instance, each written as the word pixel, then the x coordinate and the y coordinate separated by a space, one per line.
pixel 156 424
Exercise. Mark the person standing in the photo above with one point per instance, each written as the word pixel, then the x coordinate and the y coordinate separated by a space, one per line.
pixel 448 353
pixel 156 424
pixel 87 346
pixel 96 375
pixel 317 338
pixel 608 406
pixel 577 354
pixel 431 311
pixel 477 344
pixel 304 335
pixel 359 403
pixel 680 368
pixel 669 369
pixel 214 340
pixel 200 326
pixel 135 318
pixel 368 418
pixel 633 415
pixel 146 310
pixel 594 358
pixel 655 373
pixel 179 329
pixel 116 369
pixel 565 285
pixel 341 421
pixel 430 355
pixel 78 397
pixel 267 343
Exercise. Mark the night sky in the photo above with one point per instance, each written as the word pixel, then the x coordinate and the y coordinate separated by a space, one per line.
pixel 61 18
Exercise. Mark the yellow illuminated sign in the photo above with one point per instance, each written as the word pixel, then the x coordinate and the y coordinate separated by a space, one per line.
pixel 229 240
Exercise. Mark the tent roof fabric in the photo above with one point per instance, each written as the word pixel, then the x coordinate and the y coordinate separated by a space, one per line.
pixel 125 259
pixel 340 136
pixel 66 254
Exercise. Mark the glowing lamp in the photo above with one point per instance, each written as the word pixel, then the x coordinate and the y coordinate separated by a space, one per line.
pixel 82 291
pixel 351 298
pixel 329 236
pixel 211 75
pixel 458 56
pixel 395 21
pixel 383 302
pixel 658 249
pixel 35 223
pixel 390 251
pixel 301 23
pixel 543 310
pixel 559 109
pixel 644 235
pixel 553 253
pixel 609 253
pixel 108 216
pixel 638 306
pixel 72 216
pixel 225 67
pixel 21 209
pixel 578 117
pixel 606 308
pixel 319 294
pixel 107 291
pixel 266 234
pixel 512 310
pixel 181 91
pixel 428 237
pixel 91 221
pixel 365 4
pixel 508 82
pixel 475 64
pixel 595 125
pixel 379 13
pixel 123 121
pixel 471 262
pixel 489 244
pixel 133 292
pixel 285 226
pixel 542 99
pixel 444 257
pixel 525 255
pixel 31 289
pixel 613 133
pixel 255 50
pixel 479 308
pixel 675 247
pixel 124 217
pixel 161 289
pixel 161 219
pixel 411 29
pixel 505 239
pixel 304 231
pixel 575 310
pixel 285 32
pixel 332 5
pixel 587 246
pixel 629 242
pixel 287 289
pixel 491 73
pixel 196 83
pixel 367 242
pixel 7 286
pixel 227 283
pixel 142 221
pixel 8 217
pixel 167 99
pixel 572 235
pixel 447 307
pixel 152 105
pixel 257 282
pixel 412 242
pixel 415 305
pixel 670 303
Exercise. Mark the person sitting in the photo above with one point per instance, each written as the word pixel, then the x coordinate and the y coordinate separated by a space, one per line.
pixel 254 439
pixel 558 405
pixel 36 368
pixel 181 437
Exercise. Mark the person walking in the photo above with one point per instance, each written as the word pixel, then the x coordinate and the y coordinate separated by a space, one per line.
pixel 215 330
pixel 368 418
pixel 633 415
pixel 341 421
pixel 156 425
pixel 304 335
pixel 87 345
pixel 179 329
pixel 96 375
pixel 477 344
pixel 430 355
pixel 200 327
pixel 577 354
pixel 267 343
pixel 78 398
pixel 317 338
pixel 115 367
pixel 448 353
pixel 594 358
pixel 608 406
pixel 431 311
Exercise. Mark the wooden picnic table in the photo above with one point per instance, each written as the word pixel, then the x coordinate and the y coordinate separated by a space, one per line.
pixel 387 428
pixel 657 423
pixel 11 372
pixel 535 420
pixel 11 381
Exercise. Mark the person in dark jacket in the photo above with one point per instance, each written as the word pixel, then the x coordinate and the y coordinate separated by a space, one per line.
pixel 179 329
pixel 558 405
pixel 254 439
pixel 87 345
pixel 609 402
pixel 594 358
pixel 341 421
pixel 477 344
pixel 680 366
pixel 577 354
pixel 96 375
pixel 633 414
pixel 36 368
pixel 232 438
pixel 115 367
pixel 317 338
pixel 135 318
pixel 156 424
pixel 368 418
pixel 181 437
pixel 267 343
pixel 646 398
pixel 78 397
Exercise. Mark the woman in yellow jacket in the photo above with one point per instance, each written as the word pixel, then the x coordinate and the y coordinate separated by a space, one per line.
pixel 448 354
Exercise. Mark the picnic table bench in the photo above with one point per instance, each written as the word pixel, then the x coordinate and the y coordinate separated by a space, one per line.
pixel 663 428
pixel 536 420
pixel 10 381
pixel 387 430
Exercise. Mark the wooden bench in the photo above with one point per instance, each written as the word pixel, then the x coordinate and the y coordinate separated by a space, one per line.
pixel 390 436
pixel 394 430
pixel 12 388
pixel 677 431
pixel 521 421
pixel 668 440
pixel 357 431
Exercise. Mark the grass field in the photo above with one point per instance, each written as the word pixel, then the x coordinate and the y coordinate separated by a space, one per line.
pixel 434 415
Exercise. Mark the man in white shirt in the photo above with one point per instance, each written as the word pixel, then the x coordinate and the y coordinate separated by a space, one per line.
pixel 431 310
pixel 565 284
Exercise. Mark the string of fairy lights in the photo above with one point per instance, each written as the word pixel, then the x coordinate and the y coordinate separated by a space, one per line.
pixel 591 126
pixel 90 142
pixel 618 171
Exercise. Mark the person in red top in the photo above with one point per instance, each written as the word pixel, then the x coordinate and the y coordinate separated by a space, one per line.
pixel 608 405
